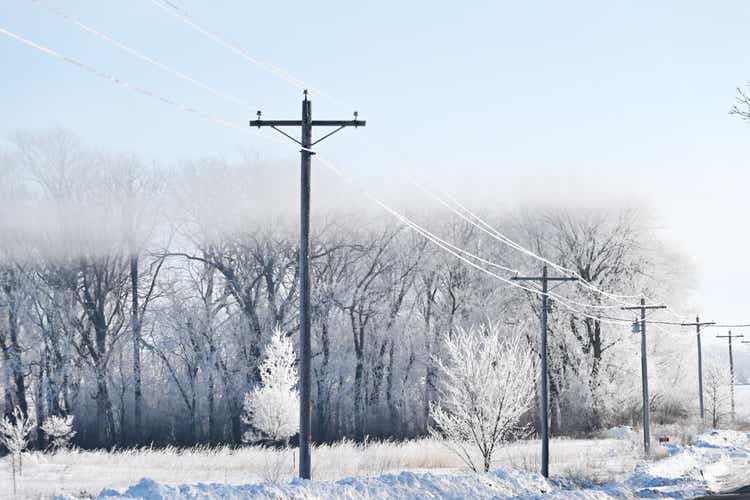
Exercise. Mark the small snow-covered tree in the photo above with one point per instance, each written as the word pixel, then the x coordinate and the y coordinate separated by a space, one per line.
pixel 716 393
pixel 487 386
pixel 272 409
pixel 14 435
pixel 60 431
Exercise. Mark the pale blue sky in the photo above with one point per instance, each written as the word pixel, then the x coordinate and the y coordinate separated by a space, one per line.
pixel 509 100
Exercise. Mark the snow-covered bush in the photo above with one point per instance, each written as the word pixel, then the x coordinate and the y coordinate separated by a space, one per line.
pixel 59 430
pixel 272 409
pixel 487 386
pixel 14 435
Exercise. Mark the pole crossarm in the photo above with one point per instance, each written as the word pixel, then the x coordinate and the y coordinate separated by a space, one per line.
pixel 340 124
pixel 699 323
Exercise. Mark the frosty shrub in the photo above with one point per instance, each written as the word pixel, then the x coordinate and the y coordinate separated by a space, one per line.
pixel 14 435
pixel 59 430
pixel 272 409
pixel 486 385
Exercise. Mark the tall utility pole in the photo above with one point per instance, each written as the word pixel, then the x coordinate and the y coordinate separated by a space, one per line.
pixel 543 398
pixel 306 142
pixel 731 366
pixel 644 373
pixel 698 326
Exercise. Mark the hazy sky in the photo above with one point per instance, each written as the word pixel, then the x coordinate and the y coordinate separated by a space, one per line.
pixel 509 101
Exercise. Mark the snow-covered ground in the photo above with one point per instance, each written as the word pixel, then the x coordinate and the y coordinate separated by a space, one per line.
pixel 88 472
pixel 715 460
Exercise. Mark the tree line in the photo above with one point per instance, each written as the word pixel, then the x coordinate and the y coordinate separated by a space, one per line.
pixel 138 298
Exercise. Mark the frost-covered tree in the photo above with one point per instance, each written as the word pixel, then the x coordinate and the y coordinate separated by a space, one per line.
pixel 272 409
pixel 59 430
pixel 487 386
pixel 717 393
pixel 15 432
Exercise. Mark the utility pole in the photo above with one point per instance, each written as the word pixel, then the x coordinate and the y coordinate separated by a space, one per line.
pixel 306 142
pixel 698 326
pixel 644 372
pixel 731 366
pixel 543 398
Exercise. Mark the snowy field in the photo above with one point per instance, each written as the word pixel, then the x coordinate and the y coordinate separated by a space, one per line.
pixel 684 473
pixel 86 473
pixel 418 469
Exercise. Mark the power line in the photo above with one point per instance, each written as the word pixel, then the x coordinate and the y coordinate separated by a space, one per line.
pixel 179 13
pixel 223 122
pixel 119 82
pixel 430 236
pixel 215 119
pixel 143 57
pixel 175 10
pixel 489 229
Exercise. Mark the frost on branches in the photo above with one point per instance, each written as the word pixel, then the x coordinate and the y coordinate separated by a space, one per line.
pixel 59 430
pixel 487 385
pixel 273 408
pixel 14 435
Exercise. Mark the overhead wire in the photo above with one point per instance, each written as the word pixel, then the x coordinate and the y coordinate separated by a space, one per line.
pixel 180 14
pixel 444 244
pixel 141 56
pixel 217 120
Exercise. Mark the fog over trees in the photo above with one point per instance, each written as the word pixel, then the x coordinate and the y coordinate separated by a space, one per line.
pixel 140 298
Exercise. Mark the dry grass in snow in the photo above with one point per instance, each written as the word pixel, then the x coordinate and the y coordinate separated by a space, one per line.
pixel 86 473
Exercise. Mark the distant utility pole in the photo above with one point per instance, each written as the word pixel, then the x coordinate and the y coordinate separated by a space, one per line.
pixel 698 326
pixel 543 398
pixel 644 372
pixel 306 142
pixel 731 365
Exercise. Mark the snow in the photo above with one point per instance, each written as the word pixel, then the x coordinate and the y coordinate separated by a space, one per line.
pixel 687 471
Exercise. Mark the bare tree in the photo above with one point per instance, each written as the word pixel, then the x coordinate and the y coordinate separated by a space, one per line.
pixel 717 393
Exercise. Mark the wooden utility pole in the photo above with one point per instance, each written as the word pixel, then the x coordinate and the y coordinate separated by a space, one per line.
pixel 644 372
pixel 543 397
pixel 698 326
pixel 306 142
pixel 729 337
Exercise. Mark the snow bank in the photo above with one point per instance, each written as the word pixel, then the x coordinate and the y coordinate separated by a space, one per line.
pixel 687 472
pixel 406 485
